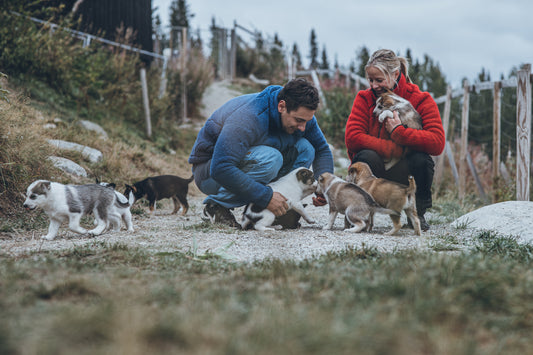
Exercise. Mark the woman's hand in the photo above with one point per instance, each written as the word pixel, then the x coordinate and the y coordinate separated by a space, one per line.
pixel 392 123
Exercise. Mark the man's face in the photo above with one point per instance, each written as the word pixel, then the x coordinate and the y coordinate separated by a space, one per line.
pixel 296 119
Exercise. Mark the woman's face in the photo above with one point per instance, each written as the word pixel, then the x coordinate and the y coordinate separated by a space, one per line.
pixel 380 82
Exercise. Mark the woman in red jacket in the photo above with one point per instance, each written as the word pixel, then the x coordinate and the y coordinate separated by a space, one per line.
pixel 372 142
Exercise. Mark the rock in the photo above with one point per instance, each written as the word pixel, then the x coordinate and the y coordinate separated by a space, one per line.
pixel 510 218
pixel 91 126
pixel 91 154
pixel 68 166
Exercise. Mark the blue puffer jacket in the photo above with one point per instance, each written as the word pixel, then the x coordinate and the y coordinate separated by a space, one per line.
pixel 244 122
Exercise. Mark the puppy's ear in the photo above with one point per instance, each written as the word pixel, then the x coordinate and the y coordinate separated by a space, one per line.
pixel 112 184
pixel 96 179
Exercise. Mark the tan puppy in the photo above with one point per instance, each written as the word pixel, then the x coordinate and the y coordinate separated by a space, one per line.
pixel 387 194
pixel 351 200
pixel 389 102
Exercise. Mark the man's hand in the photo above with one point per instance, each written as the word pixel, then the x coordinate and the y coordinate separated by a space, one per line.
pixel 278 204
pixel 319 200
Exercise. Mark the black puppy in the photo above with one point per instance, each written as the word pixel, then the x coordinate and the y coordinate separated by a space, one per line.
pixel 159 187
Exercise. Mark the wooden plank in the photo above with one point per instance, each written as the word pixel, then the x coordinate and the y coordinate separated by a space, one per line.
pixel 476 177
pixel 464 140
pixel 523 132
pixel 496 134
pixel 146 103
pixel 451 160
pixel 439 168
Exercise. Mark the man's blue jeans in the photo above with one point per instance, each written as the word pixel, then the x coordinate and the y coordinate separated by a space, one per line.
pixel 261 164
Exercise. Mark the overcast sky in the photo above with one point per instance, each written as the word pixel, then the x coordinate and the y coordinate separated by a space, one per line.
pixel 462 36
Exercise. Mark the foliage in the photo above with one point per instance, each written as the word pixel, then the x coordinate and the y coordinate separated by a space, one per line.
pixel 332 120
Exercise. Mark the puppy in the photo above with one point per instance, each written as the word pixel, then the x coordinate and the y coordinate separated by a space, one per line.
pixel 124 212
pixel 71 202
pixel 389 102
pixel 387 194
pixel 159 187
pixel 351 200
pixel 295 186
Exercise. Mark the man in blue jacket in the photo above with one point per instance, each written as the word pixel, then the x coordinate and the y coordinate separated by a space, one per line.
pixel 254 139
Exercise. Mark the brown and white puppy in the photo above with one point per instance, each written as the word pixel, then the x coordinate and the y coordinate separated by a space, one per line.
pixel 159 187
pixel 71 202
pixel 388 194
pixel 351 200
pixel 295 186
pixel 389 102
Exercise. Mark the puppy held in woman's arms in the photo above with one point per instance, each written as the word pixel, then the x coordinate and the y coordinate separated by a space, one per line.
pixel 70 203
pixel 386 104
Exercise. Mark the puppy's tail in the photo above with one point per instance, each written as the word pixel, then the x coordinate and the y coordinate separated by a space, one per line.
pixel 190 179
pixel 411 190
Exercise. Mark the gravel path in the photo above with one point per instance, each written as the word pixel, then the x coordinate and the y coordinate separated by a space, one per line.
pixel 164 232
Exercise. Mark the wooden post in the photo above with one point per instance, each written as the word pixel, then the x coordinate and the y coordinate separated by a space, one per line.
pixel 523 131
pixel 184 71
pixel 146 103
pixel 233 54
pixel 464 141
pixel 439 169
pixel 496 135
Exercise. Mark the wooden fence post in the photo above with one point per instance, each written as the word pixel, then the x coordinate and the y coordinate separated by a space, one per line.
pixel 184 71
pixel 523 131
pixel 496 135
pixel 439 169
pixel 146 103
pixel 464 140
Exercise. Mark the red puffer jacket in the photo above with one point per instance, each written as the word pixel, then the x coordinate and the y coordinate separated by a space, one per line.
pixel 363 130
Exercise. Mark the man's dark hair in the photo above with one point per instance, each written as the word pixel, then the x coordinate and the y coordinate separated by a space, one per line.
pixel 297 93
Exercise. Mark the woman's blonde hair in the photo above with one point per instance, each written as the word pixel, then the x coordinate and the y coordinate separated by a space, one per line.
pixel 388 62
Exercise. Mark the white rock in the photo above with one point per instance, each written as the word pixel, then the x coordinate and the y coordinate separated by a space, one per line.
pixel 91 126
pixel 510 218
pixel 68 166
pixel 91 154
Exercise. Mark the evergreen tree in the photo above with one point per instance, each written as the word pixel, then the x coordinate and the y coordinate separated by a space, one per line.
pixel 179 17
pixel 313 55
pixel 325 63
pixel 296 56
pixel 362 57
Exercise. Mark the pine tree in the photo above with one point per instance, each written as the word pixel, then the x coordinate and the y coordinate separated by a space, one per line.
pixel 179 17
pixel 362 57
pixel 297 56
pixel 325 63
pixel 313 55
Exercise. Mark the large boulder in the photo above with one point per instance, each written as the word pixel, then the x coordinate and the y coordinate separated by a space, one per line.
pixel 68 166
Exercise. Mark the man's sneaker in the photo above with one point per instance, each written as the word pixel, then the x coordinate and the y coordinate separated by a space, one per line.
pixel 219 214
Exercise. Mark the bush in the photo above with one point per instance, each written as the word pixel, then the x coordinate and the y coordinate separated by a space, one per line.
pixel 332 119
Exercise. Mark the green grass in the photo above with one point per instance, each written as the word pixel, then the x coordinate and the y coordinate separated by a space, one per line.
pixel 103 299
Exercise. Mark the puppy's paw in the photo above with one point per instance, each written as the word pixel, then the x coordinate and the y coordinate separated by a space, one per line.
pixel 48 237
pixel 385 114
pixel 310 221
pixel 326 228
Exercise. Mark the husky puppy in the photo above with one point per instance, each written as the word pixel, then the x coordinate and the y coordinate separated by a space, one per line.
pixel 389 102
pixel 387 194
pixel 351 200
pixel 124 212
pixel 71 202
pixel 295 186
pixel 156 188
